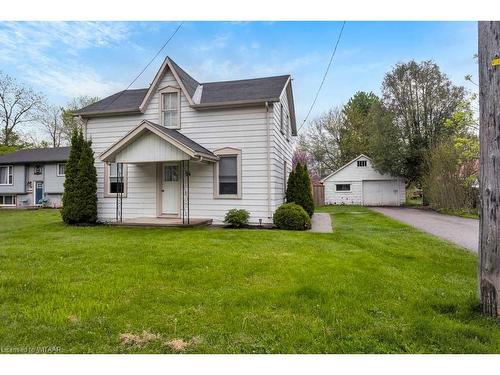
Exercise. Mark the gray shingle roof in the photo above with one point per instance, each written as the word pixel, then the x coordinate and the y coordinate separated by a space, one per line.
pixel 123 101
pixel 36 155
pixel 258 89
pixel 218 93
pixel 186 141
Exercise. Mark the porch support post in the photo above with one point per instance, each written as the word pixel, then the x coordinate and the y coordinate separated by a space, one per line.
pixel 183 194
pixel 188 174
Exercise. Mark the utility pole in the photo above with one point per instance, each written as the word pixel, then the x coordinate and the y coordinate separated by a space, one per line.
pixel 489 134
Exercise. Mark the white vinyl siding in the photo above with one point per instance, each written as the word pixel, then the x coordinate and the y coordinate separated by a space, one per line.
pixel 358 176
pixel 239 128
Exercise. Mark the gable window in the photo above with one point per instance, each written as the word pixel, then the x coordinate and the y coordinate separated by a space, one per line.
pixel 361 163
pixel 228 174
pixel 170 114
pixel 7 200
pixel 115 179
pixel 61 169
pixel 343 187
pixel 282 120
pixel 6 175
pixel 288 125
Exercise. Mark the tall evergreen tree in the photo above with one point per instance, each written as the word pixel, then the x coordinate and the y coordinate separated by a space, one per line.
pixel 69 201
pixel 299 188
pixel 87 185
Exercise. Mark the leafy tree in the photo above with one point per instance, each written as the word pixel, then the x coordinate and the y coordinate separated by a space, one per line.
pixel 421 98
pixel 18 105
pixel 355 133
pixel 299 189
pixel 321 141
pixel 86 198
pixel 69 122
pixel 69 210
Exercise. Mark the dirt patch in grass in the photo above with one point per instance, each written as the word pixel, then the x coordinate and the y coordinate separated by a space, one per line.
pixel 179 345
pixel 138 340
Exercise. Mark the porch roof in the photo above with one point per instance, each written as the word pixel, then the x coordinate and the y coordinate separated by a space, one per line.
pixel 150 142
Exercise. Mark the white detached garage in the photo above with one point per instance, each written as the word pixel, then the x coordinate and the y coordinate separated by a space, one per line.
pixel 357 182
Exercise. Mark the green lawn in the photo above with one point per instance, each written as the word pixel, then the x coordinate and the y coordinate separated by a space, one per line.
pixel 372 286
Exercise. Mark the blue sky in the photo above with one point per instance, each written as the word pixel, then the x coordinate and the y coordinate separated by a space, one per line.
pixel 63 60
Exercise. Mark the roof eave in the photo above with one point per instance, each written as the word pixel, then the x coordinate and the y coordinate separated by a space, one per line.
pixel 107 113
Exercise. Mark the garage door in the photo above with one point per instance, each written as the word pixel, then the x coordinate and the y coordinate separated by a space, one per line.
pixel 380 193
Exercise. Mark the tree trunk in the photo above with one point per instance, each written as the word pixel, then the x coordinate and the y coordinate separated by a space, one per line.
pixel 489 133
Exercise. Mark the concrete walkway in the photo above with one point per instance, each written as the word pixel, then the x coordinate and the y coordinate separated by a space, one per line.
pixel 461 231
pixel 321 223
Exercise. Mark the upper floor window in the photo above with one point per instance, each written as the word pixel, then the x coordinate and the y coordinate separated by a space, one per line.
pixel 170 114
pixel 6 175
pixel 361 163
pixel 61 169
pixel 288 126
pixel 228 174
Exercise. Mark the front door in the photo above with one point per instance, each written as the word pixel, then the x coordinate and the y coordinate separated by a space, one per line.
pixel 171 189
pixel 38 192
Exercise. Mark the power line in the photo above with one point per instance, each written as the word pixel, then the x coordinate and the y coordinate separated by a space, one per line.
pixel 324 77
pixel 148 64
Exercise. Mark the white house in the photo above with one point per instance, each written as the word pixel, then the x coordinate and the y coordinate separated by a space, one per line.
pixel 183 149
pixel 357 182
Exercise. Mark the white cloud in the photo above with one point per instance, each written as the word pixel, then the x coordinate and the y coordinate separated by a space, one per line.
pixel 219 41
pixel 46 53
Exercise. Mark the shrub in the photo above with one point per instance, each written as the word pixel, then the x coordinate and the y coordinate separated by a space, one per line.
pixel 236 217
pixel 69 210
pixel 291 216
pixel 299 189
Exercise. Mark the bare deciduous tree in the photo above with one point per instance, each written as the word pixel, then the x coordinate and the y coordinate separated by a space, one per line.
pixel 18 104
pixel 52 123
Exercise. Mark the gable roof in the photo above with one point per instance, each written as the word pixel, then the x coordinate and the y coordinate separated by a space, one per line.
pixel 171 136
pixel 36 155
pixel 345 165
pixel 208 95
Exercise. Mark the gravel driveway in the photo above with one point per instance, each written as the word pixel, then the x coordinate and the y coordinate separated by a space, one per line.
pixel 461 231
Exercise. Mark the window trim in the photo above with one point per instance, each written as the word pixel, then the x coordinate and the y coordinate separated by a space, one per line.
pixel 57 170
pixel 288 126
pixel 170 90
pixel 107 182
pixel 343 191
pixel 361 161
pixel 228 151
pixel 10 176
pixel 14 200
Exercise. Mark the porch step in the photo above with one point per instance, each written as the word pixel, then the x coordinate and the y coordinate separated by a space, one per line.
pixel 161 222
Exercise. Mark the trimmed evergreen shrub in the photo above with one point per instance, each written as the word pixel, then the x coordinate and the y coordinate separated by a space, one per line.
pixel 87 186
pixel 299 189
pixel 237 217
pixel 69 202
pixel 291 216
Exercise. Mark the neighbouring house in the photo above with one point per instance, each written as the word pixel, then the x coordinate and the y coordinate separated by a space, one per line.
pixel 33 177
pixel 182 149
pixel 357 182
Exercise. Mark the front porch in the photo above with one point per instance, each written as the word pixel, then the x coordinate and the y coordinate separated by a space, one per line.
pixel 161 222
pixel 167 156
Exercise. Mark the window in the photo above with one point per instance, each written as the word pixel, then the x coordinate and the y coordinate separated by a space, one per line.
pixel 6 175
pixel 61 169
pixel 114 184
pixel 361 163
pixel 170 109
pixel 228 174
pixel 171 173
pixel 282 122
pixel 37 169
pixel 343 187
pixel 7 200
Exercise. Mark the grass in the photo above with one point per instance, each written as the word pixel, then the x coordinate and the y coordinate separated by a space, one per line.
pixel 372 286
pixel 460 213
